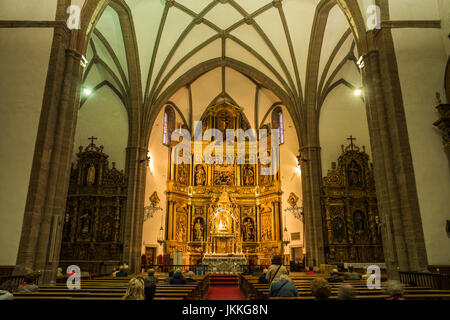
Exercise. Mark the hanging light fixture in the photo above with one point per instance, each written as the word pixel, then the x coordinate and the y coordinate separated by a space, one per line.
pixel 161 237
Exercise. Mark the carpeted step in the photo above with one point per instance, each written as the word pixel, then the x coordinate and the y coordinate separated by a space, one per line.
pixel 223 280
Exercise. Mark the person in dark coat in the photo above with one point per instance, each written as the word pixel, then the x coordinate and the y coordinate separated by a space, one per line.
pixel 351 274
pixel 335 277
pixel 150 285
pixel 283 288
pixel 178 278
pixel 169 278
pixel 200 271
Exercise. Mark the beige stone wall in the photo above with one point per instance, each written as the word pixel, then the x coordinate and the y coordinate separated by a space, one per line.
pixel 421 61
pixel 103 116
pixel 24 61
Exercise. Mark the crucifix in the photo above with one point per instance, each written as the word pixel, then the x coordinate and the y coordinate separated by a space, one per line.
pixel 351 141
pixel 92 140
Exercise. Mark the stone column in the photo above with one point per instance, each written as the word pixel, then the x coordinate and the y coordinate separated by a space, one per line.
pixel 311 184
pixel 134 214
pixel 46 201
pixel 402 233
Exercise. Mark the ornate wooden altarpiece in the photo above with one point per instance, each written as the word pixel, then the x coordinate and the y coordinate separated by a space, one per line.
pixel 197 220
pixel 95 204
pixel 352 223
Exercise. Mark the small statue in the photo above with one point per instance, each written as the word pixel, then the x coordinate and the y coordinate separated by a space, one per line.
pixel 90 178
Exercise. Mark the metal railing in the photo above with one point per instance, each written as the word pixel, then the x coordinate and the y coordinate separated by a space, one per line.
pixel 425 279
pixel 168 267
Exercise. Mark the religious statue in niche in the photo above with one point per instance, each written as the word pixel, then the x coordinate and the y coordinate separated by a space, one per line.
pixel 224 122
pixel 338 229
pixel 107 230
pixel 223 222
pixel 249 175
pixel 359 225
pixel 198 229
pixel 85 222
pixel 90 176
pixel 266 232
pixel 248 229
pixel 200 175
pixel 354 174
pixel 183 174
pixel 181 230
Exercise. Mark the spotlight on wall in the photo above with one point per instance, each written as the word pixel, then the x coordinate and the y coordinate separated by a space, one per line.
pixel 357 92
pixel 87 91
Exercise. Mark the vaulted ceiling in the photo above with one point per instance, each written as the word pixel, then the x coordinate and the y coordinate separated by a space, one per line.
pixel 173 36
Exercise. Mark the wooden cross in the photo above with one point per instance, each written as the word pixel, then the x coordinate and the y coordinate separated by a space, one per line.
pixel 92 140
pixel 351 141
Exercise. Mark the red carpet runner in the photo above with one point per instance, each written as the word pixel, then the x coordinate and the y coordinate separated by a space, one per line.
pixel 224 293
pixel 223 287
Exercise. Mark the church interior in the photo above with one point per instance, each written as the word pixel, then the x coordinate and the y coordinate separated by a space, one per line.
pixel 226 136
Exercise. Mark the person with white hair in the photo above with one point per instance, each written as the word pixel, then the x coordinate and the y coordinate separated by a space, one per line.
pixel 346 292
pixel 395 290
pixel 190 276
pixel 284 287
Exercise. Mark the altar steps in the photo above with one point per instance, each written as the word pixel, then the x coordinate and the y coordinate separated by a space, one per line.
pixel 223 280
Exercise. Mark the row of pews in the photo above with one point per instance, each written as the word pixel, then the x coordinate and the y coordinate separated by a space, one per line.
pixel 253 291
pixel 114 288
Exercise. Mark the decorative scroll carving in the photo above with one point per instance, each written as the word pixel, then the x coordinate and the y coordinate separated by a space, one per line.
pixel 350 206
pixel 95 204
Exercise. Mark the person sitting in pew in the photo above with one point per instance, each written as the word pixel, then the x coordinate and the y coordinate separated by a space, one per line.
pixel 29 285
pixel 178 278
pixel 311 271
pixel 199 271
pixel 335 277
pixel 190 277
pixel 320 289
pixel 123 271
pixel 6 290
pixel 135 290
pixel 275 270
pixel 285 287
pixel 169 278
pixel 59 274
pixel 262 279
pixel 346 292
pixel 150 285
pixel 116 270
pixel 351 274
pixel 395 290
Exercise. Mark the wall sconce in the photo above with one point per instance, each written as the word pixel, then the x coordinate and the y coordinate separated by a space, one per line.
pixel 147 159
pixel 300 158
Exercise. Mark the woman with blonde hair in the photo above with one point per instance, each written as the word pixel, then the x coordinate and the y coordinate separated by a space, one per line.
pixel 135 289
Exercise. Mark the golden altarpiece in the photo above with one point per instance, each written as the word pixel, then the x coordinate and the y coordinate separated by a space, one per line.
pixel 95 204
pixel 223 210
pixel 352 223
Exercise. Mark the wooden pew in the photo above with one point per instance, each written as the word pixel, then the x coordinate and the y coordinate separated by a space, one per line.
pixel 115 288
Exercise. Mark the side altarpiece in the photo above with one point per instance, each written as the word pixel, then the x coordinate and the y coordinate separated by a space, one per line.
pixel 351 220
pixel 95 205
